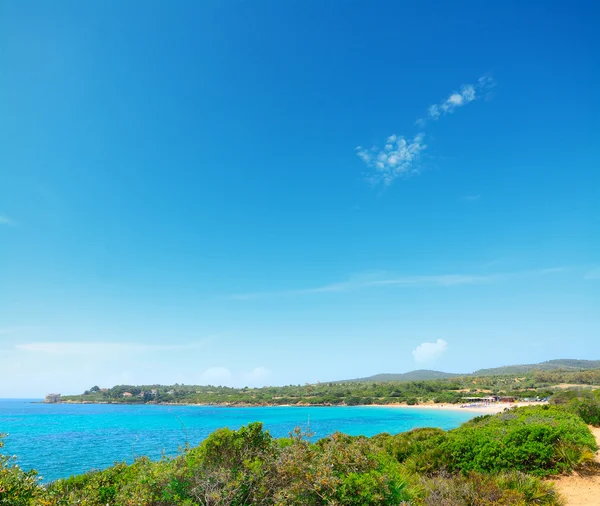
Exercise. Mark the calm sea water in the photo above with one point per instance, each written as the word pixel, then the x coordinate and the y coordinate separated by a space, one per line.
pixel 64 439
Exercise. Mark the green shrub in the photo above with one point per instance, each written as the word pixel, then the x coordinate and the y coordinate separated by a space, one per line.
pixel 588 409
pixel 532 489
pixel 425 466
pixel 414 442
pixel 528 439
pixel 339 470
pixel 418 449
pixel 17 487
pixel 475 489
pixel 231 465
pixel 584 403
pixel 447 397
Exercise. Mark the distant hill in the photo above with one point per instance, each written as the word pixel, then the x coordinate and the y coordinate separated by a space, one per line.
pixel 426 374
pixel 418 375
pixel 550 365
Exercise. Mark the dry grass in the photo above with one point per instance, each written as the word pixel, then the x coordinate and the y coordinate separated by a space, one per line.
pixel 565 386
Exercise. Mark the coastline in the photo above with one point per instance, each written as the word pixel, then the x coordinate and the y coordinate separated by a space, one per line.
pixel 489 409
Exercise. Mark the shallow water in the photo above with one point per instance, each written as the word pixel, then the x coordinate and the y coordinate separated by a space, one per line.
pixel 64 439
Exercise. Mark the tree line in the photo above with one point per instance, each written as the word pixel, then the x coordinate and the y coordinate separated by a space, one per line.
pixel 535 384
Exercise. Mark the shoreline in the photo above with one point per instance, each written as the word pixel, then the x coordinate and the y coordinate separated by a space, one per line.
pixel 489 409
pixel 484 409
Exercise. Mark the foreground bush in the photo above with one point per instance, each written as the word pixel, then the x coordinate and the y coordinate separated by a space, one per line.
pixel 474 489
pixel 17 487
pixel 540 440
pixel 482 463
pixel 583 403
pixel 245 467
pixel 419 449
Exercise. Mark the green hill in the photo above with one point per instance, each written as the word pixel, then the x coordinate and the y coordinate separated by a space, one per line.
pixel 418 375
pixel 550 365
pixel 427 374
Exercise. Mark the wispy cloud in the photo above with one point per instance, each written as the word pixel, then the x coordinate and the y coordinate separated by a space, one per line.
pixel 378 279
pixel 371 281
pixel 400 155
pixel 397 158
pixel 472 198
pixel 593 274
pixel 17 329
pixel 429 352
pixel 5 220
pixel 441 280
pixel 101 347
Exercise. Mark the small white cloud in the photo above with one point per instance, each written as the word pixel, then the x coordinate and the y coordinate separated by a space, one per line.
pixel 472 198
pixel 257 377
pixel 429 352
pixel 217 376
pixel 5 220
pixel 398 158
pixel 593 274
pixel 486 82
pixel 455 99
pixel 468 93
pixel 433 111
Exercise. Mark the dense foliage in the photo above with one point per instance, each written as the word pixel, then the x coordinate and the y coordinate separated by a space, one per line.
pixel 535 384
pixel 490 460
pixel 17 487
pixel 476 489
pixel 550 365
pixel 540 440
pixel 584 403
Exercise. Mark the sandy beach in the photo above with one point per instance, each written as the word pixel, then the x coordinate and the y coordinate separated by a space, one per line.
pixel 490 409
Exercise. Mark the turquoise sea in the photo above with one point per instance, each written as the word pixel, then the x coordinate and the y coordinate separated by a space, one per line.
pixel 64 439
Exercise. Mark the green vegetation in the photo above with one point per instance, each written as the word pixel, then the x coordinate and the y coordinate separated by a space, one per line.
pixel 584 403
pixel 491 460
pixel 473 489
pixel 550 365
pixel 536 383
pixel 418 375
pixel 427 374
pixel 540 440
pixel 17 487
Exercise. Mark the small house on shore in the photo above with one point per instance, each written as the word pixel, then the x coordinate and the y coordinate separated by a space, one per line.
pixel 482 400
pixel 508 398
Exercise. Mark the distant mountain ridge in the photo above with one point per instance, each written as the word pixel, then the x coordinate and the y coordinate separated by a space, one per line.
pixel 427 374
pixel 418 375
pixel 550 365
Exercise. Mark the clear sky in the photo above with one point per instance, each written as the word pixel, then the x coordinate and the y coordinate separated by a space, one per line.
pixel 271 192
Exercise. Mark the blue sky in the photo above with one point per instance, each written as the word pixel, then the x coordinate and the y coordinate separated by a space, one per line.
pixel 255 193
